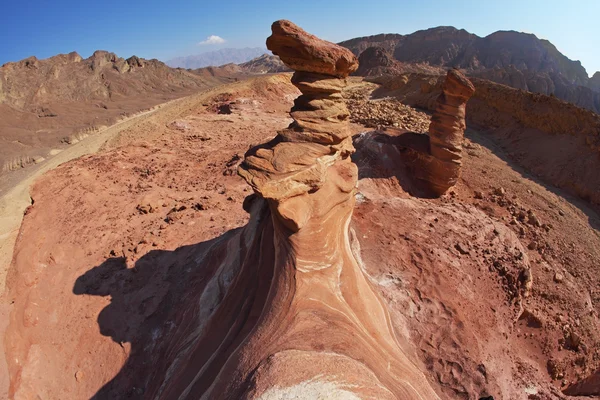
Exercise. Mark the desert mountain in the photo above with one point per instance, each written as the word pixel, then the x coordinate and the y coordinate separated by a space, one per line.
pixel 216 58
pixel 520 60
pixel 44 102
pixel 223 71
pixel 266 63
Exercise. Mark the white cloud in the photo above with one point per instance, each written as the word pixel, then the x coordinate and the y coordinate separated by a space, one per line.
pixel 212 39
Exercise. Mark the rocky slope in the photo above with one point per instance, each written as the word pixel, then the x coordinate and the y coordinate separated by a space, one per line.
pixel 224 71
pixel 517 59
pixel 551 138
pixel 48 104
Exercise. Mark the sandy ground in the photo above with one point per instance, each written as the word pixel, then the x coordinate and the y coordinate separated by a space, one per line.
pixel 15 187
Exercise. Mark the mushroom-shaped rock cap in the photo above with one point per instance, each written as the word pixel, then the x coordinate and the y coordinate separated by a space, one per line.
pixel 302 51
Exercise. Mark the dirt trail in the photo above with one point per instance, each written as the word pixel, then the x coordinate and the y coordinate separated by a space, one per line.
pixel 15 187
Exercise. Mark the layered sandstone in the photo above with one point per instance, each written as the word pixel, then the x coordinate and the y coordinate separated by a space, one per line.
pixel 434 161
pixel 300 317
pixel 446 131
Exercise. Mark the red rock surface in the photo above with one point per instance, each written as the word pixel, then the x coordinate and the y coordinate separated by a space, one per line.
pixel 137 274
pixel 304 52
pixel 112 326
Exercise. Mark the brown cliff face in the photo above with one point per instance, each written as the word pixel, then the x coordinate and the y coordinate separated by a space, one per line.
pixel 374 58
pixel 594 83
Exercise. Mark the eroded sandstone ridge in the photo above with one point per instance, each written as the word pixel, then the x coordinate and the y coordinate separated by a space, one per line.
pixel 325 321
pixel 300 317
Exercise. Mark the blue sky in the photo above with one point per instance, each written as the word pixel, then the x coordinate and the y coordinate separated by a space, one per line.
pixel 165 29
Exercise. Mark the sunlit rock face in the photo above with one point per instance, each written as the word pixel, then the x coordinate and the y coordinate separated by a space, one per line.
pixel 432 163
pixel 299 317
pixel 446 132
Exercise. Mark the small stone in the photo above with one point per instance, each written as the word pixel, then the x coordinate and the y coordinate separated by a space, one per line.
pixel 199 207
pixel 573 341
pixel 533 220
pixel 143 208
pixel 79 376
pixel 462 248
pixel 499 191
pixel 478 194
pixel 558 277
pixel 561 213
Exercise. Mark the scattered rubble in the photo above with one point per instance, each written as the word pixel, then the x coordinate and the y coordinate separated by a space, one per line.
pixel 382 113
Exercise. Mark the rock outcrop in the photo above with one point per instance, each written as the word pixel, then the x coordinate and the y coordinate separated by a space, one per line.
pixel 589 386
pixel 265 64
pixel 446 131
pixel 300 316
pixel 434 162
pixel 556 141
pixel 374 59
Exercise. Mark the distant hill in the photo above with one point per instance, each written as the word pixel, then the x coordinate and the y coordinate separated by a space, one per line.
pixel 227 71
pixel 45 104
pixel 266 63
pixel 520 60
pixel 217 58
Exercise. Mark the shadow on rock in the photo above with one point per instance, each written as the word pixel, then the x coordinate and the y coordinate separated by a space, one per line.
pixel 382 155
pixel 150 305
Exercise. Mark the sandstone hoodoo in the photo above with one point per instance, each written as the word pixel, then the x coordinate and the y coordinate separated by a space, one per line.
pixel 446 131
pixel 311 321
pixel 433 161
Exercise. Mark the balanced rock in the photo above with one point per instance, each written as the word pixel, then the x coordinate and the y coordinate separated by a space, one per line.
pixel 286 311
pixel 302 314
pixel 446 132
pixel 304 52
